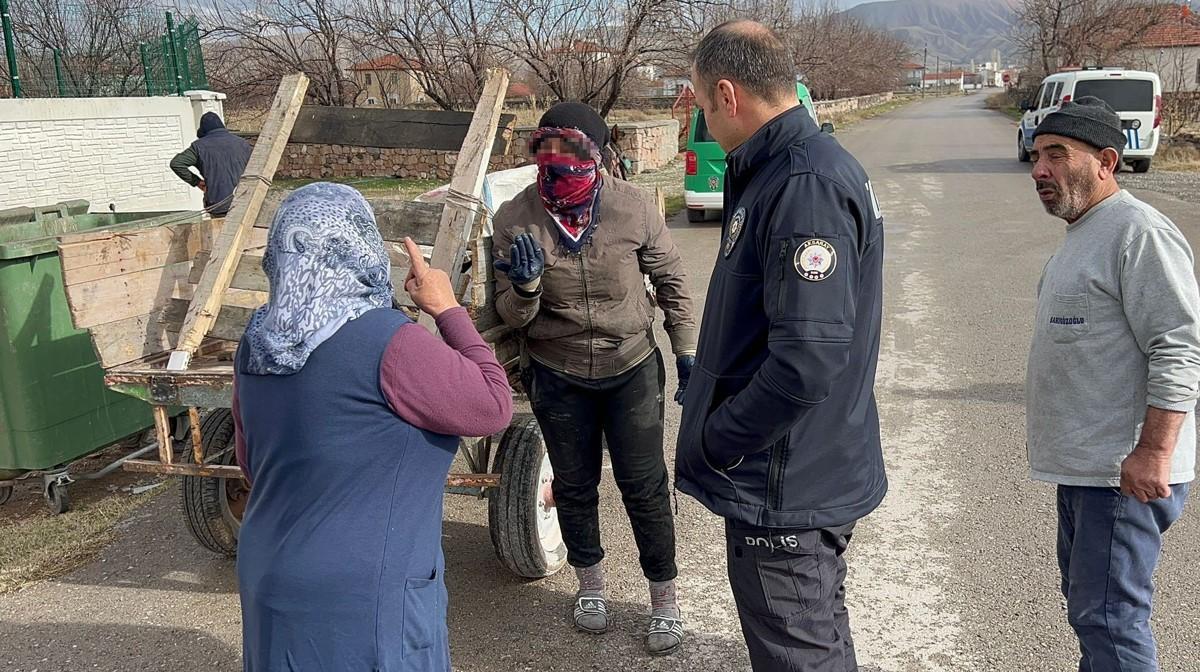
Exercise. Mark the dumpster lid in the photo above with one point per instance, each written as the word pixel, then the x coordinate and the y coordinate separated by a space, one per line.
pixel 25 231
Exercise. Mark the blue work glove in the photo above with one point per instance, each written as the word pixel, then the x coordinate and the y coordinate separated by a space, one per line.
pixel 525 264
pixel 683 365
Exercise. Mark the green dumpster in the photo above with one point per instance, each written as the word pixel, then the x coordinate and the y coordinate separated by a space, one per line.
pixel 54 407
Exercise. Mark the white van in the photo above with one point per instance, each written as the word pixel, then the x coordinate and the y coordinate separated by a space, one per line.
pixel 1136 96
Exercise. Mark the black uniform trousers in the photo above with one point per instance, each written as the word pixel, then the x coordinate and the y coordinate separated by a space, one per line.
pixel 576 415
pixel 789 587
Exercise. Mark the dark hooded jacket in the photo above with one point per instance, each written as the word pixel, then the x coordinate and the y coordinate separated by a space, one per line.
pixel 220 157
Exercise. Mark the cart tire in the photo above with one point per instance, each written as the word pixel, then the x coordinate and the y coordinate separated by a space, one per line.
pixel 58 498
pixel 524 533
pixel 206 501
pixel 5 494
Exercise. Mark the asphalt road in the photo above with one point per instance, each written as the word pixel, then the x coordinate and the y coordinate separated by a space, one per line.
pixel 956 570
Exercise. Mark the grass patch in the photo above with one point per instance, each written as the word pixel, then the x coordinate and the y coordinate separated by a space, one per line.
pixel 848 119
pixel 1178 156
pixel 36 548
pixel 674 204
pixel 1002 103
pixel 394 187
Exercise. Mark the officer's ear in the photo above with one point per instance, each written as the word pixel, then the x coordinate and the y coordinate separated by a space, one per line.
pixel 725 97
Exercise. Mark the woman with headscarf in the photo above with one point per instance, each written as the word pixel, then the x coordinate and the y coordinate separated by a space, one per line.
pixel 348 416
pixel 573 251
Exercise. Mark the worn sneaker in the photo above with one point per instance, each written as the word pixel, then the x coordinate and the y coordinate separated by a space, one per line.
pixel 665 635
pixel 591 614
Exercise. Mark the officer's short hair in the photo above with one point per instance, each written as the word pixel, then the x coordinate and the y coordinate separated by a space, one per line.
pixel 750 54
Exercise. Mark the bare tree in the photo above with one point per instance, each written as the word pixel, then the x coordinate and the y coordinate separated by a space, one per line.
pixel 97 43
pixel 1057 33
pixel 264 40
pixel 840 56
pixel 587 50
pixel 450 42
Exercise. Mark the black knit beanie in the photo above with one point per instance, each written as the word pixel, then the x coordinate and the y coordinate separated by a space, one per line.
pixel 1087 119
pixel 579 116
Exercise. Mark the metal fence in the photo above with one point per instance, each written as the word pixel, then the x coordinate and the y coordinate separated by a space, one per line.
pixel 88 50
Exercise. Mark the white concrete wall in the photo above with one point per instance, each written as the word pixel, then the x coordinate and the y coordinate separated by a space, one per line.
pixel 112 152
pixel 1178 67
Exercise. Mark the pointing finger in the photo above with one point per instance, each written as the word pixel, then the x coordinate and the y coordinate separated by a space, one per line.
pixel 418 264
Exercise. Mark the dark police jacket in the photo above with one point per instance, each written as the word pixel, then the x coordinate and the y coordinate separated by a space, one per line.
pixel 780 427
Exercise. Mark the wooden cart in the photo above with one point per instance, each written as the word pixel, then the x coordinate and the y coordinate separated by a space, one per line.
pixel 166 306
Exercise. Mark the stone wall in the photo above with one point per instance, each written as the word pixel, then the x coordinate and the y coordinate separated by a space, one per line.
pixel 112 152
pixel 649 145
pixel 843 105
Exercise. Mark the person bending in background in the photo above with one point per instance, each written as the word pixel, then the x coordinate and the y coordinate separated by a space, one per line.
pixel 219 157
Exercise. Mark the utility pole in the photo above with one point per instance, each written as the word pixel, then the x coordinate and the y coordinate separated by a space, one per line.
pixel 10 49
pixel 937 60
pixel 924 67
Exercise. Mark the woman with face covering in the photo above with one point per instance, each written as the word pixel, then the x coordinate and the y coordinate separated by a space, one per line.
pixel 348 416
pixel 573 251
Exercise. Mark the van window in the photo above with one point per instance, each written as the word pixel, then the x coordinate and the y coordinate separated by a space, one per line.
pixel 1123 95
pixel 1058 93
pixel 702 134
pixel 1047 94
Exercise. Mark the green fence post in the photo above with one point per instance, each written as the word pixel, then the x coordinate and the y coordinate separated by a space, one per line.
pixel 174 54
pixel 146 68
pixel 58 76
pixel 185 65
pixel 10 49
pixel 203 74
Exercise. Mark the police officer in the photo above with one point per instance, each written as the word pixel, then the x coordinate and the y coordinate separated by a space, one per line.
pixel 780 431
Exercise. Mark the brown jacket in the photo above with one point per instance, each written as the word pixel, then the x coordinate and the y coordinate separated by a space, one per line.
pixel 592 316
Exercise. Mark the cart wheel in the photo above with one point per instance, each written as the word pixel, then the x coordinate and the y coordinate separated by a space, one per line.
pixel 213 507
pixel 524 531
pixel 5 494
pixel 58 498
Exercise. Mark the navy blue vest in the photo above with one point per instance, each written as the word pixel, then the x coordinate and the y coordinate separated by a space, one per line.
pixel 339 555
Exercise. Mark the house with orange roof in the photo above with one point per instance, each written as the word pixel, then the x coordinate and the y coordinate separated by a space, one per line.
pixel 1171 48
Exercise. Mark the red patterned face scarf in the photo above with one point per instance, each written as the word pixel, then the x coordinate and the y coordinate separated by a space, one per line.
pixel 569 183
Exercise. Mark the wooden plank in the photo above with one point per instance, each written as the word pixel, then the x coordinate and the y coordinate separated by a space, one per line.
pixel 247 200
pixel 135 338
pixel 197 438
pixel 394 129
pixel 200 470
pixel 462 208
pixel 396 218
pixel 162 428
pixel 129 295
pixel 97 256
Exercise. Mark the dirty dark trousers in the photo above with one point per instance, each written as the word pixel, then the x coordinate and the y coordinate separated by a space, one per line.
pixel 627 409
pixel 789 587
pixel 1108 547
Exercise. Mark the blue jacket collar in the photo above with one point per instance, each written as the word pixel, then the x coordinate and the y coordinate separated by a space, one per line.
pixel 775 137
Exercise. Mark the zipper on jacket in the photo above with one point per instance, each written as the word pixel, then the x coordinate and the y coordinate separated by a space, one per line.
pixel 587 309
pixel 775 475
pixel 783 261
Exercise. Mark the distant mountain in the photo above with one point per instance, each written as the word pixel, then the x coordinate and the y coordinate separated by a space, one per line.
pixel 958 30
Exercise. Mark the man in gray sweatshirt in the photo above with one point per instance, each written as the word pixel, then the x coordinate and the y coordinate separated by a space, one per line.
pixel 1113 378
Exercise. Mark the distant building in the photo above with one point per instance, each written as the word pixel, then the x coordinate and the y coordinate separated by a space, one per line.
pixel 913 73
pixel 954 79
pixel 389 81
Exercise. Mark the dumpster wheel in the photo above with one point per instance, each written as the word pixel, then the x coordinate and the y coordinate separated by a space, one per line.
pixel 525 532
pixel 213 507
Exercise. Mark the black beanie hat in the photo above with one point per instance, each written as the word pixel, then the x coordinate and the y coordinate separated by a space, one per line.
pixel 1087 119
pixel 209 122
pixel 579 116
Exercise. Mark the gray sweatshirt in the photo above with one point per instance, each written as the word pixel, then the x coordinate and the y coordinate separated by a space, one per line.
pixel 1118 329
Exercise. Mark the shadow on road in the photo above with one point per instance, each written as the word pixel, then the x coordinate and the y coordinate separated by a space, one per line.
pixel 993 165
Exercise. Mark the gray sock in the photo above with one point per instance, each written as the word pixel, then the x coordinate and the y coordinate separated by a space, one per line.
pixel 664 601
pixel 591 580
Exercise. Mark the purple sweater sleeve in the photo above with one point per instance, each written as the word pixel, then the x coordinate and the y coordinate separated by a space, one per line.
pixel 454 387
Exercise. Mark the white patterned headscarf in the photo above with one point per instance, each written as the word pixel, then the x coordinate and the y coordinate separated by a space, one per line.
pixel 327 265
